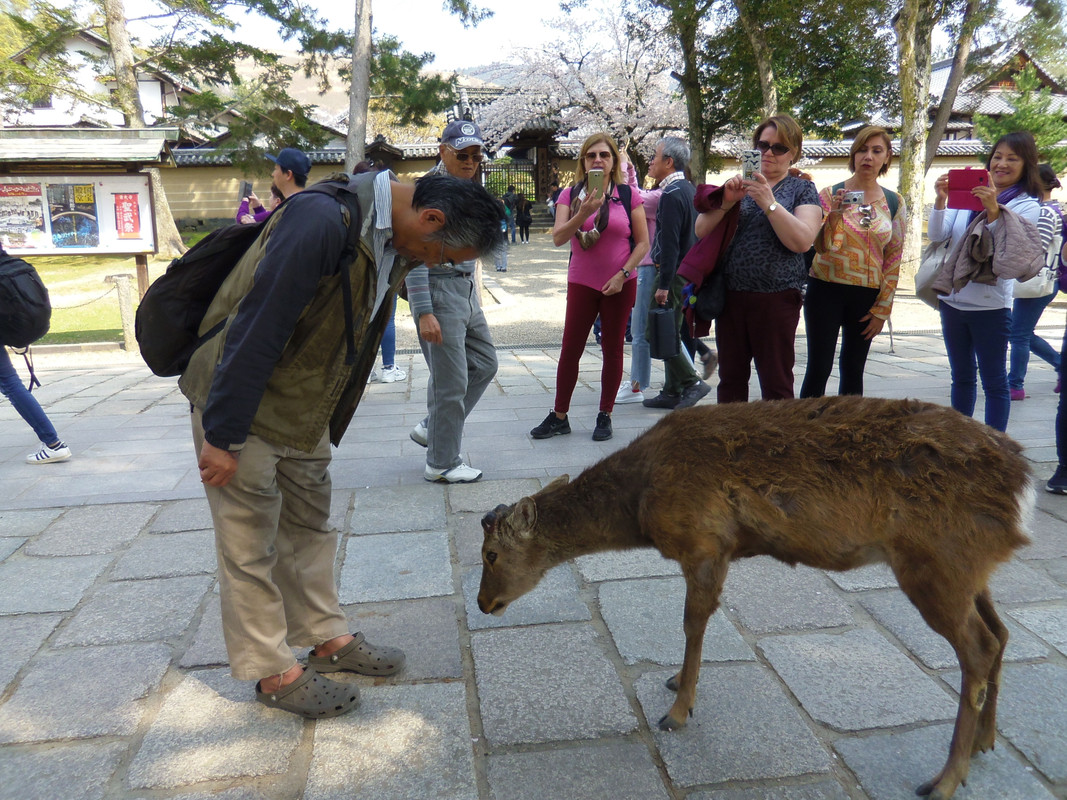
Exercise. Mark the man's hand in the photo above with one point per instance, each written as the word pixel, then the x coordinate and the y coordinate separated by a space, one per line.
pixel 430 329
pixel 661 296
pixel 217 466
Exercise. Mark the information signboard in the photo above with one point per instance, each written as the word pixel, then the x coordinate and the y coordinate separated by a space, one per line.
pixel 66 214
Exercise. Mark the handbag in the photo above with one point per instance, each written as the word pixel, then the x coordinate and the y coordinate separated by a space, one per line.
pixel 711 296
pixel 1041 285
pixel 929 268
pixel 663 336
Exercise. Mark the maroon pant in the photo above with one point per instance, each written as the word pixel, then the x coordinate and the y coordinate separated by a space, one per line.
pixel 583 305
pixel 758 326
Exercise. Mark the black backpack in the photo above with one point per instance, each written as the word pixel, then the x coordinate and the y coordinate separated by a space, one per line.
pixel 25 311
pixel 168 319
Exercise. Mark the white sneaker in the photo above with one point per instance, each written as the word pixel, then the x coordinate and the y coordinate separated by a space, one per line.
pixel 628 395
pixel 460 474
pixel 393 374
pixel 419 434
pixel 47 455
pixel 375 376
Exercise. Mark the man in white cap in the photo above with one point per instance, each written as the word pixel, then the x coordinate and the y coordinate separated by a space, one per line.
pixel 291 168
pixel 453 333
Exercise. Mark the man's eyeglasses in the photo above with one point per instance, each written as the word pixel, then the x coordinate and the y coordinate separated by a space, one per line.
pixel 477 158
pixel 604 155
pixel 441 262
pixel 776 148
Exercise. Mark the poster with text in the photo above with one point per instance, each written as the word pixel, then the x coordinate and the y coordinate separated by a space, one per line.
pixel 127 216
pixel 72 211
pixel 22 218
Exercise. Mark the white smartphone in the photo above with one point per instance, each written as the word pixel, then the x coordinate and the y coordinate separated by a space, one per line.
pixel 596 180
pixel 750 163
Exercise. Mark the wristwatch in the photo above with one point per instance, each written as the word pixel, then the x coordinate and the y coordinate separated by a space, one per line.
pixel 772 207
pixel 624 272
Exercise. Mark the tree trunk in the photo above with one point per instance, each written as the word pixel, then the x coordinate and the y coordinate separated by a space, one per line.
pixel 955 77
pixel 128 100
pixel 764 57
pixel 686 29
pixel 914 26
pixel 359 94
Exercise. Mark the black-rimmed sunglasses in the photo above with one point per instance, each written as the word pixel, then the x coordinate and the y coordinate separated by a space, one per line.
pixel 776 148
pixel 477 158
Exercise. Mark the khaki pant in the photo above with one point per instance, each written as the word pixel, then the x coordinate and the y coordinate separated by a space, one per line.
pixel 276 554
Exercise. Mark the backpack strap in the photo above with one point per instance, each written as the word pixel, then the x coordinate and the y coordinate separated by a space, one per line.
pixel 626 197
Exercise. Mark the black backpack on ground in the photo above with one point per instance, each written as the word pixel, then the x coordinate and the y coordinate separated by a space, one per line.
pixel 168 319
pixel 25 311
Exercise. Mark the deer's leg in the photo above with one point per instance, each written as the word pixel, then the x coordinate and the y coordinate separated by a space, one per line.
pixel 954 615
pixel 986 733
pixel 703 583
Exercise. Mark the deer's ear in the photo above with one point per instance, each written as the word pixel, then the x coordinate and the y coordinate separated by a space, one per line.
pixel 524 517
pixel 558 483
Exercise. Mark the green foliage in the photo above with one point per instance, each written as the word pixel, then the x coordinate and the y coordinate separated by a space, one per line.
pixel 832 63
pixel 1033 112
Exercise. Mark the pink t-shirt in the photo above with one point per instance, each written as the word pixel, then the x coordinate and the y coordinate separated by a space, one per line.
pixel 595 266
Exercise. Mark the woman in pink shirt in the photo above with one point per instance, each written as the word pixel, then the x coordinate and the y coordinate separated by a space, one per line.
pixel 600 277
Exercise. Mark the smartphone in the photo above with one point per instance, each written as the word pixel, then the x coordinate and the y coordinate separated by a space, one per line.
pixel 960 183
pixel 596 180
pixel 750 163
pixel 246 190
pixel 852 198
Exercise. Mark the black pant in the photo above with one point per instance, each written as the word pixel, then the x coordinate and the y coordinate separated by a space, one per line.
pixel 524 230
pixel 829 308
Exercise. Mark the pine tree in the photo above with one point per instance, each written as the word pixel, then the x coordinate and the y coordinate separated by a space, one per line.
pixel 1033 112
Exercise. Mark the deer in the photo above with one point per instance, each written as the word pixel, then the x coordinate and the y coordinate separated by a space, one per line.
pixel 833 483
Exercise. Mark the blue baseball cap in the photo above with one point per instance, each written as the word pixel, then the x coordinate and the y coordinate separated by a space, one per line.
pixel 461 133
pixel 292 160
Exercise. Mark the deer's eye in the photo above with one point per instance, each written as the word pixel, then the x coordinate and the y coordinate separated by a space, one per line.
pixel 490 556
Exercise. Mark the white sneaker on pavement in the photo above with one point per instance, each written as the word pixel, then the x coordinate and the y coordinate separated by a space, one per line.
pixel 375 376
pixel 419 434
pixel 458 474
pixel 628 395
pixel 46 455
pixel 393 374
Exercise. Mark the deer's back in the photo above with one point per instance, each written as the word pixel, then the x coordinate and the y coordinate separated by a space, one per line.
pixel 832 482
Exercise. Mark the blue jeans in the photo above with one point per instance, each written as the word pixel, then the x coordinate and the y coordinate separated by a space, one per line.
pixel 640 355
pixel 1024 316
pixel 977 343
pixel 25 403
pixel 389 338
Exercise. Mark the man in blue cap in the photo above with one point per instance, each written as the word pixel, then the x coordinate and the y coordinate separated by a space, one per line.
pixel 453 333
pixel 291 168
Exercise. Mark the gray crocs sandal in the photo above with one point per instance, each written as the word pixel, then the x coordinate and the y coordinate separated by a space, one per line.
pixel 312 696
pixel 360 656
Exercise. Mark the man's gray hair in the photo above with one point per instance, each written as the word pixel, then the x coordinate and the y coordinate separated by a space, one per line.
pixel 472 215
pixel 677 150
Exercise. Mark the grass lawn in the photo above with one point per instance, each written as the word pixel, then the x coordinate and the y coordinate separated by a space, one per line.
pixel 84 307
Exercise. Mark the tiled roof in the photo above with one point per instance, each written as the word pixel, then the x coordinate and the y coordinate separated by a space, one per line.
pixel 86 145
pixel 205 157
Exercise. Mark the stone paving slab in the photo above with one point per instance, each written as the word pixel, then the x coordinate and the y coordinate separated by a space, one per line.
pixel 47 774
pixel 168 555
pixel 27 523
pixel 183 515
pixel 208 648
pixel 892 766
pixel 403 742
pixel 645 620
pixel 92 529
pixel 1031 711
pixel 769 596
pixel 51 702
pixel 612 770
pixel 207 730
pixel 823 790
pixel 856 680
pixel 644 563
pixel 426 630
pixel 57 583
pixel 395 566
pixel 1020 582
pixel 9 545
pixel 547 683
pixel 22 637
pixel 1048 623
pixel 743 728
pixel 136 611
pixel 388 510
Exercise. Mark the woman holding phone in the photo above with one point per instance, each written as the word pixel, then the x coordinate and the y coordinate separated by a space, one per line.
pixel 853 277
pixel 976 318
pixel 598 217
pixel 765 271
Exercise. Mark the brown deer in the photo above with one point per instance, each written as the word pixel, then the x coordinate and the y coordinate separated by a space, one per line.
pixel 833 483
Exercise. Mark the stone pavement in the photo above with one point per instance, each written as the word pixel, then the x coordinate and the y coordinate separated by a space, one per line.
pixel 114 684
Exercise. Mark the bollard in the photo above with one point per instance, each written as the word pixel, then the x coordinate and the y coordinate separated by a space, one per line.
pixel 123 285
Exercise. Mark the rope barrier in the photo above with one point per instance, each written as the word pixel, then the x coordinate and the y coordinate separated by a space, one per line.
pixel 87 302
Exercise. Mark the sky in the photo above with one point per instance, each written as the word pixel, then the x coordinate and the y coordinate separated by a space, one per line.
pixel 424 25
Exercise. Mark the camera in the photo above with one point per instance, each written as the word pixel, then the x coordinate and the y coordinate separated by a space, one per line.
pixel 852 198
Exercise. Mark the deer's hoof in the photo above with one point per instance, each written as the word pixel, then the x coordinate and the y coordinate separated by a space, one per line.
pixel 672 683
pixel 669 723
pixel 929 790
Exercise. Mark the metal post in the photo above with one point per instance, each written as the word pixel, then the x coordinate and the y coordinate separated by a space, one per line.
pixel 123 284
